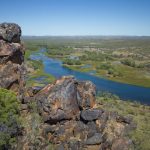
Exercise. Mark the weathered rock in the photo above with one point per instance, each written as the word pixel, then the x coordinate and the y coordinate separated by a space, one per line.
pixel 59 101
pixel 11 57
pixel 74 145
pixel 49 128
pixel 9 75
pixel 60 131
pixel 124 119
pixel 10 32
pixel 10 50
pixel 24 107
pixel 86 92
pixel 91 114
pixel 106 145
pixel 27 99
pixel 102 121
pixel 122 144
pixel 60 147
pixel 94 140
pixel 92 129
pixel 68 106
pixel 31 91
pixel 80 130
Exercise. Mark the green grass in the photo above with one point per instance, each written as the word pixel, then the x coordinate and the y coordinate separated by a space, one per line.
pixel 132 75
pixel 139 113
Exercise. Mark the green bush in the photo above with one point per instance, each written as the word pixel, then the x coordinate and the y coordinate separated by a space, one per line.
pixel 128 62
pixel 9 122
pixel 72 62
pixel 77 62
pixel 104 66
pixel 68 62
pixel 96 56
pixel 111 71
pixel 84 57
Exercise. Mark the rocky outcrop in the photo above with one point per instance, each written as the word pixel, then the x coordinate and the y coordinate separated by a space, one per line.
pixel 11 57
pixel 10 32
pixel 72 119
pixel 63 99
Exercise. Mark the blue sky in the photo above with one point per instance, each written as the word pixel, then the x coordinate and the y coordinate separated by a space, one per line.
pixel 78 17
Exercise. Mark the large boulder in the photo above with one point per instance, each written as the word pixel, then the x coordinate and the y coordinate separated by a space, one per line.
pixel 91 114
pixel 60 101
pixel 95 139
pixel 10 32
pixel 11 57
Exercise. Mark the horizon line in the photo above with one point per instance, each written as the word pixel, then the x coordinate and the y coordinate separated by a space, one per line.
pixel 87 35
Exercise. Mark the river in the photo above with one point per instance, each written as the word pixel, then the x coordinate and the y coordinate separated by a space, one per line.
pixel 124 91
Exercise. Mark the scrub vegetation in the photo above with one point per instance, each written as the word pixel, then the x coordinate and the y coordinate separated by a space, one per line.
pixel 9 119
pixel 122 59
pixel 139 113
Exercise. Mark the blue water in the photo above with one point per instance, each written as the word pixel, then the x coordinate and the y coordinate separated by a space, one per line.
pixel 124 91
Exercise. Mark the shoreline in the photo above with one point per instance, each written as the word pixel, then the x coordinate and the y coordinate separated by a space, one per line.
pixel 72 67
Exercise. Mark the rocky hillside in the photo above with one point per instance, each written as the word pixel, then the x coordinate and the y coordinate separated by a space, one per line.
pixel 11 57
pixel 72 120
pixel 63 115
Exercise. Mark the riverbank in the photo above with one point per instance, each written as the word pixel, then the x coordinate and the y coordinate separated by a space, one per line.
pixel 36 74
pixel 129 76
pixel 112 70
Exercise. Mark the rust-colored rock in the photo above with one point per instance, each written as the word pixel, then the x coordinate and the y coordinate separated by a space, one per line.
pixel 60 101
pixel 11 57
pixel 86 92
pixel 73 121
